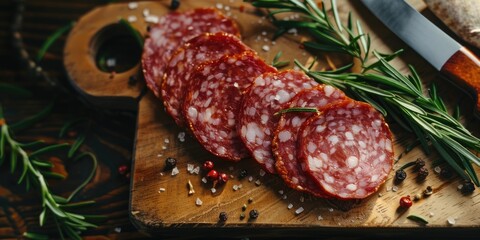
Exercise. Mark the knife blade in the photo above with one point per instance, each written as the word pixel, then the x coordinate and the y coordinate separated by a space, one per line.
pixel 453 60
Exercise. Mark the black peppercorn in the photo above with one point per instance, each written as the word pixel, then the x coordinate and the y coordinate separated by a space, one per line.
pixel 170 163
pixel 174 4
pixel 445 173
pixel 243 173
pixel 419 163
pixel 467 187
pixel 132 80
pixel 253 214
pixel 400 175
pixel 422 173
pixel 223 216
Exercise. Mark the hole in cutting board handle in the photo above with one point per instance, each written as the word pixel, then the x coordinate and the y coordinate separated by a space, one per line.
pixel 113 48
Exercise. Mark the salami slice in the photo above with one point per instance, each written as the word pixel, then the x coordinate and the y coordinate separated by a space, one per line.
pixel 347 149
pixel 172 31
pixel 214 99
pixel 284 144
pixel 263 99
pixel 200 49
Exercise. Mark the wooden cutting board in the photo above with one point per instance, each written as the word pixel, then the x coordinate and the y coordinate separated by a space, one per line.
pixel 160 203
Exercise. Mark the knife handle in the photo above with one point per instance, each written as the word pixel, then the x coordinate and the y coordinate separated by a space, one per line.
pixel 464 68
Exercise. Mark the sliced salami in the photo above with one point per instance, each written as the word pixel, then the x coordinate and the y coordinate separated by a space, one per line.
pixel 284 144
pixel 213 101
pixel 200 49
pixel 172 31
pixel 263 99
pixel 347 149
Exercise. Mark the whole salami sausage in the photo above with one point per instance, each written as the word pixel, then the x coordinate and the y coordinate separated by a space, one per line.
pixel 196 51
pixel 347 149
pixel 172 31
pixel 266 96
pixel 214 98
pixel 284 144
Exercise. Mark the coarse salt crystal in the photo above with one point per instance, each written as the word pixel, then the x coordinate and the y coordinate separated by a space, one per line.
pixel 151 19
pixel 166 140
pixel 284 197
pixel 175 171
pixel 164 147
pixel 437 169
pixel 240 186
pixel 204 180
pixel 330 209
pixel 262 172
pixel 264 33
pixel 118 229
pixel 111 62
pixel 258 183
pixel 227 8
pixel 219 5
pixel 181 136
pixel 299 210
pixel 389 188
pixel 161 189
pixel 273 42
pixel 213 190
pixel 451 220
pixel 302 199
pixel 280 191
pixel 190 168
pixel 146 12
pixel 319 218
pixel 161 173
pixel 198 202
pixel 235 187
pixel 394 188
pixel 250 178
pixel 132 18
pixel 132 5
pixel 266 48
pixel 290 206
pixel 431 214
pixel 196 170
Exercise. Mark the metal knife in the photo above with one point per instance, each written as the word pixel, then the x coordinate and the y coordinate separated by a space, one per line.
pixel 449 57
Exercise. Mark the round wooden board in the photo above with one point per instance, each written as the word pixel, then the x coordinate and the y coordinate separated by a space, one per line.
pixel 173 209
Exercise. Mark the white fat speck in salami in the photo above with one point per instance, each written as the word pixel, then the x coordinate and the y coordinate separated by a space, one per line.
pixel 201 49
pixel 358 161
pixel 214 124
pixel 267 96
pixel 173 30
pixel 290 169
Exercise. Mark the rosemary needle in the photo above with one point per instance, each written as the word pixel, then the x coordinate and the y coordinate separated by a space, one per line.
pixel 392 93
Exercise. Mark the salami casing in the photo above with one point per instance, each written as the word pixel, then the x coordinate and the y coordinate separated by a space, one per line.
pixel 284 143
pixel 266 96
pixel 203 48
pixel 214 99
pixel 173 30
pixel 347 149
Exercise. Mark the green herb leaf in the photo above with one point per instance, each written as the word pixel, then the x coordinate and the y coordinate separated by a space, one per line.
pixel 417 219
pixel 76 145
pixel 51 39
pixel 36 236
pixel 27 122
pixel 296 109
pixel 13 90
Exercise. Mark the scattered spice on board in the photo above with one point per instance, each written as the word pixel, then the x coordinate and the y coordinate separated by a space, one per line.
pixel 223 216
pixel 253 214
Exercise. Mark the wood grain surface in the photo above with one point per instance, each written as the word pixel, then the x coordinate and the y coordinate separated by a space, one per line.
pixel 173 213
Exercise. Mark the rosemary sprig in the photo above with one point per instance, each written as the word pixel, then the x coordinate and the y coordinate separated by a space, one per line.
pixel 51 39
pixel 35 172
pixel 277 63
pixel 399 96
